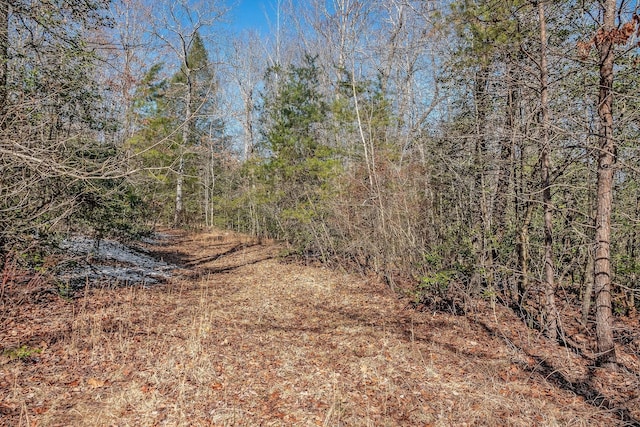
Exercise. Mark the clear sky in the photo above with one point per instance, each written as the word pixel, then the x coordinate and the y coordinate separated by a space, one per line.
pixel 252 14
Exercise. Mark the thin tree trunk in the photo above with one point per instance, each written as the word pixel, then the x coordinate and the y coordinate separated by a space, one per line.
pixel 484 250
pixel 604 202
pixel 522 246
pixel 633 255
pixel 588 289
pixel 179 213
pixel 505 169
pixel 248 125
pixel 177 219
pixel 551 318
pixel 4 59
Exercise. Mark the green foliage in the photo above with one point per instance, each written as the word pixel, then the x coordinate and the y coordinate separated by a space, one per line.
pixel 294 108
pixel 196 65
pixel 435 284
pixel 438 292
pixel 34 258
pixel 154 145
pixel 112 209
pixel 486 26
pixel 295 177
pixel 161 155
pixel 626 265
pixel 65 290
pixel 374 110
pixel 23 352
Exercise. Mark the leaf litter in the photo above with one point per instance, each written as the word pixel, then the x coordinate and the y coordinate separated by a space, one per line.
pixel 239 337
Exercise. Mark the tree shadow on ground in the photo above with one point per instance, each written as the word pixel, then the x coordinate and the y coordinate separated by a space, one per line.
pixel 204 272
pixel 542 368
pixel 204 260
pixel 584 388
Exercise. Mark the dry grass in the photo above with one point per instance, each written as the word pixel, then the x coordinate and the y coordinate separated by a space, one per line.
pixel 243 339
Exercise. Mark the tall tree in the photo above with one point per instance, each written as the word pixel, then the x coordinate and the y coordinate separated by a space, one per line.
pixel 605 44
pixel 195 64
pixel 299 167
pixel 4 57
pixel 247 67
pixel 178 28
pixel 551 317
pixel 129 55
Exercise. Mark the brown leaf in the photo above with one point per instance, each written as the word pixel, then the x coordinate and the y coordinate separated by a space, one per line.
pixel 583 49
pixel 273 398
pixel 95 382
pixel 629 28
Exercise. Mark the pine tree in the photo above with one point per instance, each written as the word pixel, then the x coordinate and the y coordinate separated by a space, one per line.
pixel 193 84
pixel 298 169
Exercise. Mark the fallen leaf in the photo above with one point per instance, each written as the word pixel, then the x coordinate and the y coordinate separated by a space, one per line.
pixel 95 382
pixel 274 396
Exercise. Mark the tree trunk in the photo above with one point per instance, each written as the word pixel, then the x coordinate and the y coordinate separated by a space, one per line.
pixel 505 176
pixel 551 317
pixel 505 167
pixel 177 219
pixel 248 125
pixel 604 202
pixel 4 59
pixel 484 251
pixel 588 289
pixel 522 249
pixel 186 133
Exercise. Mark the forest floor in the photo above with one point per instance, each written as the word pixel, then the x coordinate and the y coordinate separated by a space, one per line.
pixel 242 337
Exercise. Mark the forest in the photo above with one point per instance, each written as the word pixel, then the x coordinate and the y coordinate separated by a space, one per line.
pixel 455 150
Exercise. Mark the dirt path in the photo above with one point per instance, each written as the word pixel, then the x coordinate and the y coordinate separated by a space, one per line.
pixel 245 339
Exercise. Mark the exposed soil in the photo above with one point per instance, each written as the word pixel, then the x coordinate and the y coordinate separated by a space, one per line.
pixel 243 338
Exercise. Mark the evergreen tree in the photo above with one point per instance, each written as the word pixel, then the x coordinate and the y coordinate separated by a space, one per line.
pixel 193 91
pixel 299 167
pixel 152 149
pixel 177 133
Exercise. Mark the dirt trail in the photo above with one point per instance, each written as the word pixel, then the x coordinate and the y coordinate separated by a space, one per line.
pixel 246 339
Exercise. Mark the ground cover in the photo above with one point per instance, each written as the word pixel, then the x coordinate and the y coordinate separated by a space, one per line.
pixel 240 336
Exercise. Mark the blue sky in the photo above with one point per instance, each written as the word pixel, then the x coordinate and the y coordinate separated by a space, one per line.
pixel 252 14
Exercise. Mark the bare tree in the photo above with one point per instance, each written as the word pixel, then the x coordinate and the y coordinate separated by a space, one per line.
pixel 4 58
pixel 247 66
pixel 178 26
pixel 128 59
